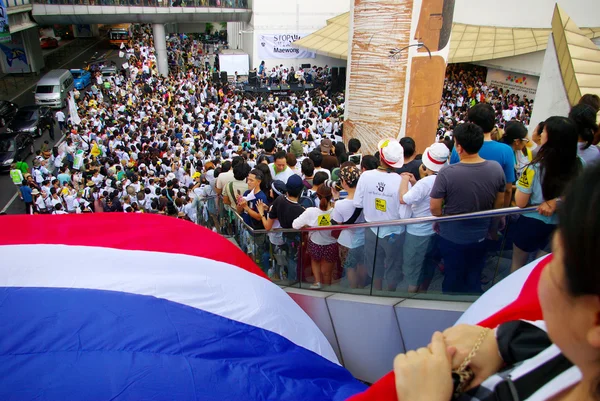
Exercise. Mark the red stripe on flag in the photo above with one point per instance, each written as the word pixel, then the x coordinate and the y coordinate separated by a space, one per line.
pixel 126 231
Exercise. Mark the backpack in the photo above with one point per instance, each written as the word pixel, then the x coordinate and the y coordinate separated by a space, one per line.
pixel 307 199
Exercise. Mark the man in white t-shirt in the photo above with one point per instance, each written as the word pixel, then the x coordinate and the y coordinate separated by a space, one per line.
pixel 377 194
pixel 279 168
pixel 419 241
pixel 60 117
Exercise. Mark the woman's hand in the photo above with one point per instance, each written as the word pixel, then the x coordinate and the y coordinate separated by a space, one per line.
pixel 486 361
pixel 547 208
pixel 261 206
pixel 425 374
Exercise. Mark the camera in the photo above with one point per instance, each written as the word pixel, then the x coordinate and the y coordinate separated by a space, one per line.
pixel 333 184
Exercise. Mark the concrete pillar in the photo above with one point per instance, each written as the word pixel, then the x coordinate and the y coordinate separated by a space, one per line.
pixel 160 46
pixel 86 30
pixel 409 79
pixel 234 36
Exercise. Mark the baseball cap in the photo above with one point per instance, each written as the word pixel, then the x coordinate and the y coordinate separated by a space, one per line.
pixel 391 152
pixel 294 182
pixel 326 145
pixel 279 187
pixel 436 156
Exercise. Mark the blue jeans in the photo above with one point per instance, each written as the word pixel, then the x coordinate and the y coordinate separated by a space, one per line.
pixel 463 264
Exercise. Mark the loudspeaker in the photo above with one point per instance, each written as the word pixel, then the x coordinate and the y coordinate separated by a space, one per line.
pixel 252 77
pixel 215 77
pixel 306 65
pixel 285 87
pixel 274 87
pixel 335 79
pixel 263 85
pixel 342 79
pixel 224 79
pixel 308 86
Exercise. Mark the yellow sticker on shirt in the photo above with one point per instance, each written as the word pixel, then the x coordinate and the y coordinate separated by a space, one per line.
pixel 526 179
pixel 324 220
pixel 380 204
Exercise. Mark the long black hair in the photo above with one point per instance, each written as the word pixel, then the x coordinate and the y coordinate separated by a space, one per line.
pixel 558 156
pixel 584 116
pixel 579 230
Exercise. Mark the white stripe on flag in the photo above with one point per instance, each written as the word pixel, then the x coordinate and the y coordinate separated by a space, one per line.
pixel 206 284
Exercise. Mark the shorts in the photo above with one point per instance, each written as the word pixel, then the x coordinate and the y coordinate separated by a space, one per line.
pixel 319 252
pixel 532 234
pixel 351 257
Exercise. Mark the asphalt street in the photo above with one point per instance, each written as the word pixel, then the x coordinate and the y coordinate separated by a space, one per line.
pixel 9 200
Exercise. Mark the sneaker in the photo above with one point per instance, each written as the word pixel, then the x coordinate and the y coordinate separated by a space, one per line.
pixel 315 286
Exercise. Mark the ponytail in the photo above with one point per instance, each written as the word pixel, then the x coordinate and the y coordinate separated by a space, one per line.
pixel 324 202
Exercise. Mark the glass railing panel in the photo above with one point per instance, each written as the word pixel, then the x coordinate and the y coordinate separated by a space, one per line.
pixel 450 258
pixel 446 260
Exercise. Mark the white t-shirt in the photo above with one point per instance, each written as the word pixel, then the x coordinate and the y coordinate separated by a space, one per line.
pixel 315 217
pixel 224 179
pixel 377 193
pixel 419 200
pixel 342 211
pixel 283 176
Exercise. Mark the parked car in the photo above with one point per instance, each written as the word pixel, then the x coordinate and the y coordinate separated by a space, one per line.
pixel 82 78
pixel 48 43
pixel 31 119
pixel 109 70
pixel 7 112
pixel 13 146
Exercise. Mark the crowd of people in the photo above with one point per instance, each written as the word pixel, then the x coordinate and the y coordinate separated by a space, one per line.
pixel 187 147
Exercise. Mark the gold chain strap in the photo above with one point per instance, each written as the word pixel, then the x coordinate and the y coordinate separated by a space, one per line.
pixel 464 373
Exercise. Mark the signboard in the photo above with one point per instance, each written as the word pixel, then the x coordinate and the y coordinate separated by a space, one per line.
pixel 278 45
pixel 14 56
pixel 520 84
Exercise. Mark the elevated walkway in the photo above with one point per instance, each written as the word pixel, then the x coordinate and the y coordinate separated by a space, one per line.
pixel 140 11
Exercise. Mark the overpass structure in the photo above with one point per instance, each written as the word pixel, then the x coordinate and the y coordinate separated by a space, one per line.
pixel 146 12
pixel 85 15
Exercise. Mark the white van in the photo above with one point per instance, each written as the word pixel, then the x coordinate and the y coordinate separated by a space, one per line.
pixel 53 88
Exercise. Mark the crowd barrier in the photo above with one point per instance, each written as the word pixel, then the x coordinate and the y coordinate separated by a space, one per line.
pixel 151 3
pixel 282 253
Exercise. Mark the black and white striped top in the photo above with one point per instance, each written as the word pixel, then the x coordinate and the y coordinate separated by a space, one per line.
pixel 536 378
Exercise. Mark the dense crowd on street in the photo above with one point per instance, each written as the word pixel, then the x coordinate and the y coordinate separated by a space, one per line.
pixel 195 149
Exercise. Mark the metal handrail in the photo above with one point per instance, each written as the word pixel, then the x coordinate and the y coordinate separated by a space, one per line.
pixel 414 220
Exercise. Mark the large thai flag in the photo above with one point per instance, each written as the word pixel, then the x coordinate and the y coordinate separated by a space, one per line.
pixel 143 307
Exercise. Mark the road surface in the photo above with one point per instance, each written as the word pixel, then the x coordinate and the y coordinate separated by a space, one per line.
pixel 9 200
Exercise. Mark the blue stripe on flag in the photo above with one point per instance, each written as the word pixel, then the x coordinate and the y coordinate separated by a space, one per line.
pixel 78 344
